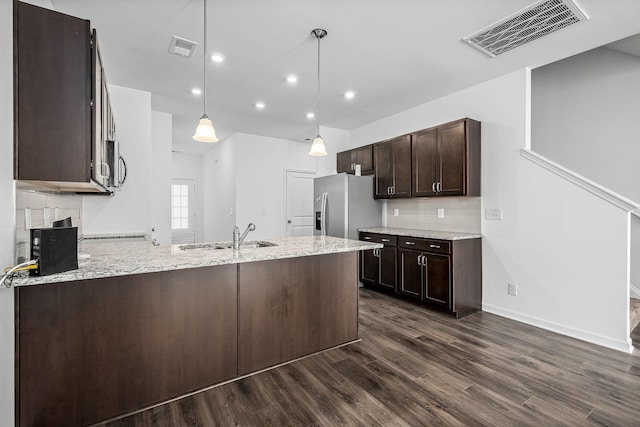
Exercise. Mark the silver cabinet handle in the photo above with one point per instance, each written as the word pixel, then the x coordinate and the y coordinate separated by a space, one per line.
pixel 367 238
pixel 409 243
pixel 433 187
pixel 435 246
pixel 424 261
pixel 439 187
pixel 385 240
pixel 377 253
pixel 419 259
pixel 388 190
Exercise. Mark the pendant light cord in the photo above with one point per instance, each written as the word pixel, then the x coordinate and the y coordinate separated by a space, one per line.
pixel 318 94
pixel 204 65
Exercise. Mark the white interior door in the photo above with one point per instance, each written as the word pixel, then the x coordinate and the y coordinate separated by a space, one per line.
pixel 299 195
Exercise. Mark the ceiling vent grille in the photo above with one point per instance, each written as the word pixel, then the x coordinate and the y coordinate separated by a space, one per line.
pixel 182 47
pixel 531 23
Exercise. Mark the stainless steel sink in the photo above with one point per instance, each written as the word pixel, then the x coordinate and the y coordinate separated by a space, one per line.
pixel 203 246
pixel 225 245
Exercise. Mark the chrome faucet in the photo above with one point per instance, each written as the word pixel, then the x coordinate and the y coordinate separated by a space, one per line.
pixel 237 239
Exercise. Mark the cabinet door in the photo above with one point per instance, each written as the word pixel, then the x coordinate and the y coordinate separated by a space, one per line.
pixel 343 162
pixel 401 166
pixel 382 155
pixel 410 273
pixel 424 147
pixel 363 156
pixel 387 267
pixel 369 267
pixel 453 158
pixel 437 281
pixel 52 109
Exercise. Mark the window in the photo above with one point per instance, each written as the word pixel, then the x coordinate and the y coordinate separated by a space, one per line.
pixel 183 214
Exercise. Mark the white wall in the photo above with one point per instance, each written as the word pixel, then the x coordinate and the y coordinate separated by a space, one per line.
pixel 129 210
pixel 161 125
pixel 635 256
pixel 584 116
pixel 7 213
pixel 219 191
pixel 246 173
pixel 545 242
pixel 188 166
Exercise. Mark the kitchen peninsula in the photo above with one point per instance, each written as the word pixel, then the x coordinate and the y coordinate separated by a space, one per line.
pixel 139 324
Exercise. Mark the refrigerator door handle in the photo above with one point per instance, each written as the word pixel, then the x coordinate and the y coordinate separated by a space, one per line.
pixel 323 214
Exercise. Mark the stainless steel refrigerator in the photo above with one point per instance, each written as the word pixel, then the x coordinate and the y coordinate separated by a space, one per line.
pixel 343 203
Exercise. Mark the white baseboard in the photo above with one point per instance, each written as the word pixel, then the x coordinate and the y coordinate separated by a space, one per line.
pixel 620 345
pixel 635 292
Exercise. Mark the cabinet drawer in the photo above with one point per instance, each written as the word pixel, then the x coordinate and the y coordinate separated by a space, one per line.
pixel 425 245
pixel 385 239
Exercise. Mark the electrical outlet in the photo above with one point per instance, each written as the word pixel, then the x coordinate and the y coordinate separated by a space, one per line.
pixel 231 211
pixel 493 214
pixel 396 212
pixel 512 289
pixel 440 212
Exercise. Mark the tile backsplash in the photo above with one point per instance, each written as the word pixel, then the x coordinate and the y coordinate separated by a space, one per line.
pixel 44 208
pixel 461 214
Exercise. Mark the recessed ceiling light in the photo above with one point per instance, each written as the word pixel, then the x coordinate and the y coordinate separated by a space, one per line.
pixel 196 91
pixel 260 105
pixel 217 57
pixel 349 94
pixel 310 115
pixel 292 78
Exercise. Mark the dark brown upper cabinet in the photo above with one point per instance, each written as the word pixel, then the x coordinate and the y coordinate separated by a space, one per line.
pixel 363 156
pixel 392 160
pixel 446 160
pixel 53 100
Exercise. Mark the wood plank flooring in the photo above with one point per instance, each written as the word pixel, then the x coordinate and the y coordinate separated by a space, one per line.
pixel 417 367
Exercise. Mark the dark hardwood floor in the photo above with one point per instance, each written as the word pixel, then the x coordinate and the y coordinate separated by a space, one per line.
pixel 417 367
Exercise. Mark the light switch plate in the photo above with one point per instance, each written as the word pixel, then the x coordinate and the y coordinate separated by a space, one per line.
pixel 512 289
pixel 440 212
pixel 493 214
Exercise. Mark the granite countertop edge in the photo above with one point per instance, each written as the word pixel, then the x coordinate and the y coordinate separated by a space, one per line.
pixel 110 258
pixel 425 234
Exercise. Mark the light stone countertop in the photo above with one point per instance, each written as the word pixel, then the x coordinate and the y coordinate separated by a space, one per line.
pixel 425 234
pixel 111 257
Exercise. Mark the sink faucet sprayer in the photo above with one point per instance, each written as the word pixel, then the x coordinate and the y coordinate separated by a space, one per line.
pixel 237 239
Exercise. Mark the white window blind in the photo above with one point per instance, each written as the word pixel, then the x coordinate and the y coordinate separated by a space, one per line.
pixel 183 212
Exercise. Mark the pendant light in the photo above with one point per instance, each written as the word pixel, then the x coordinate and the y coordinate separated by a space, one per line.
pixel 318 148
pixel 205 131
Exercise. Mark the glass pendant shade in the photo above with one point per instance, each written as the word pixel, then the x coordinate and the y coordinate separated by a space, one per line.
pixel 317 148
pixel 205 131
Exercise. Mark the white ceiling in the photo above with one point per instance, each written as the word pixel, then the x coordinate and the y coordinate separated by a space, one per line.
pixel 393 54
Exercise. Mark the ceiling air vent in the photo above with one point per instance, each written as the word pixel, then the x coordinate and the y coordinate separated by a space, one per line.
pixel 531 23
pixel 182 47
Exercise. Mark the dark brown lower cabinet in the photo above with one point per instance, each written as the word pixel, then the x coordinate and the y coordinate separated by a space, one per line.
pixel 425 277
pixel 94 349
pixel 91 350
pixel 378 266
pixel 293 307
pixel 441 274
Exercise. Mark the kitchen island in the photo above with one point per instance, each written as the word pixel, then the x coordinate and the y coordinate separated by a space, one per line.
pixel 137 324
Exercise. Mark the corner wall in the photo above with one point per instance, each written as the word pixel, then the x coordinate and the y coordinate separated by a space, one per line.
pixel 545 242
pixel 7 213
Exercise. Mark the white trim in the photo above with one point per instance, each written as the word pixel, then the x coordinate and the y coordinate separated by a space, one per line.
pixel 634 292
pixel 620 345
pixel 582 182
